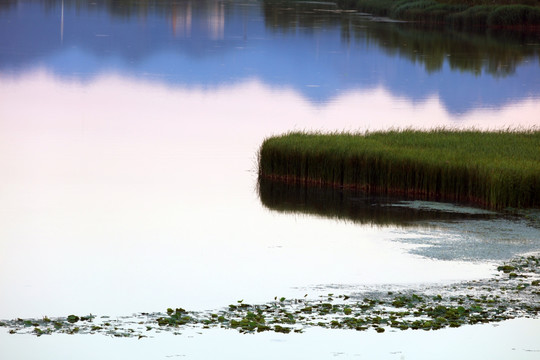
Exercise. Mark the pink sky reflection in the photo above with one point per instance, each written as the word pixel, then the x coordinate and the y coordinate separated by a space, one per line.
pixel 118 186
pixel 123 109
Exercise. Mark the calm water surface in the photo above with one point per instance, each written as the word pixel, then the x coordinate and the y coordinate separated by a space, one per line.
pixel 128 147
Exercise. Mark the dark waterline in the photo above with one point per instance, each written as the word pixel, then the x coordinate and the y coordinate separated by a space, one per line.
pixel 357 206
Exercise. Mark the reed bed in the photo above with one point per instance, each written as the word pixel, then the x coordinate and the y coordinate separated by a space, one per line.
pixel 491 169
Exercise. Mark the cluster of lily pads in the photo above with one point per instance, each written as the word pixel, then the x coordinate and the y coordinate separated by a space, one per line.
pixel 514 292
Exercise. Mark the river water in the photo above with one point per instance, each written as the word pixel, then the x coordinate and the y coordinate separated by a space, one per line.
pixel 128 146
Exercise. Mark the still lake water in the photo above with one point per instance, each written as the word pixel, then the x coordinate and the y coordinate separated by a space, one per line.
pixel 128 145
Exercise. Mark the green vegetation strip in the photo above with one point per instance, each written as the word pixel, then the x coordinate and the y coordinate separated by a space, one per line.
pixel 520 14
pixel 513 292
pixel 491 169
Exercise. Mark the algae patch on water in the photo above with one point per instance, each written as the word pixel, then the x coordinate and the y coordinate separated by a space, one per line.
pixel 513 292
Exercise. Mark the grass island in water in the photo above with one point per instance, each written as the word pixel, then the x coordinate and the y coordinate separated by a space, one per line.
pixel 491 169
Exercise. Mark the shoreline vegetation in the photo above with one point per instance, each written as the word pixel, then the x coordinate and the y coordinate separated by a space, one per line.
pixel 506 14
pixel 511 14
pixel 495 170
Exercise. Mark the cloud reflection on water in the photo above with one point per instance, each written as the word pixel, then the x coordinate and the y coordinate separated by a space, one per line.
pixel 116 189
pixel 211 43
pixel 112 105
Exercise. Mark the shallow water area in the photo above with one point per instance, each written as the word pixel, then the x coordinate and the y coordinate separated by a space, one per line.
pixel 514 339
pixel 128 143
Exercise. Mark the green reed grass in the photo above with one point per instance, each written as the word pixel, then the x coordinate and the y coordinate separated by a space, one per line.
pixel 492 169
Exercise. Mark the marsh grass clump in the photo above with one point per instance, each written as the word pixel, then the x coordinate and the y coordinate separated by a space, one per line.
pixel 512 15
pixel 491 169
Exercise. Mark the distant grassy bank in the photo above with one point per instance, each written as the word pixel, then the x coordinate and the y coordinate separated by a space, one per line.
pixel 491 169
pixel 522 14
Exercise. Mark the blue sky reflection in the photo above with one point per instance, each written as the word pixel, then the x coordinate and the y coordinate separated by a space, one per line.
pixel 217 44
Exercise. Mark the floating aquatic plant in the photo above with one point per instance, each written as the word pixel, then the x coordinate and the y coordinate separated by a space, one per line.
pixel 500 298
